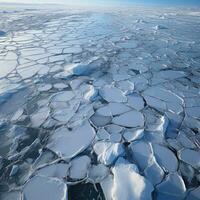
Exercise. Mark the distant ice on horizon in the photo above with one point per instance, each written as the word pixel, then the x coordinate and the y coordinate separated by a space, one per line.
pixel 111 2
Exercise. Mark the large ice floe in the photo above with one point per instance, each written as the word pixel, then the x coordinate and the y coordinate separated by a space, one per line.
pixel 99 104
pixel 68 144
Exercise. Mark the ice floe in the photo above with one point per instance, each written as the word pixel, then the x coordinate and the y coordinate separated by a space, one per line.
pixel 194 194
pixel 98 173
pixel 113 109
pixel 112 94
pixel 38 118
pixel 108 152
pixel 79 167
pixel 45 188
pixel 163 99
pixel 165 158
pixel 65 143
pixel 133 134
pixel 62 96
pixel 44 88
pixel 191 157
pixel 130 119
pixel 59 170
pixel 136 101
pixel 173 187
pixel 129 184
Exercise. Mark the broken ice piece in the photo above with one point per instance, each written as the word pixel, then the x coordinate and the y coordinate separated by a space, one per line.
pixel 38 118
pixel 187 172
pixel 17 114
pixel 165 158
pixel 60 86
pixel 154 172
pixel 45 188
pixel 113 109
pixel 113 128
pixel 112 94
pixel 130 119
pixel 162 99
pixel 193 112
pixel 115 137
pixel 108 152
pixel 102 134
pixel 68 144
pixel 120 77
pixel 194 194
pixel 91 94
pixel 126 86
pixel 142 153
pixel 136 101
pixel 129 184
pixel 62 96
pixel 44 87
pixel 46 157
pixel 185 141
pixel 106 185
pixel 64 114
pixel 191 157
pixel 75 84
pixel 78 69
pixel 79 167
pixel 58 170
pixel 173 188
pixel 133 134
pixel 99 120
pixel 98 172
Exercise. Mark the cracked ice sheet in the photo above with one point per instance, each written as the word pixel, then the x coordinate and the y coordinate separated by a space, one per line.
pixel 68 144
pixel 135 79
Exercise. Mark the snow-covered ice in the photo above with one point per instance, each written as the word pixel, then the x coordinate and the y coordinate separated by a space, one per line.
pixel 130 119
pixel 99 104
pixel 68 144
pixel 45 188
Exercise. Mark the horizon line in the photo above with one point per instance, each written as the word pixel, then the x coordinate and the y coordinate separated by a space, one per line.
pixel 96 4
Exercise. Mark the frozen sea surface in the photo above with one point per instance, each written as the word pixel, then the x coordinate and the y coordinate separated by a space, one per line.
pixel 99 104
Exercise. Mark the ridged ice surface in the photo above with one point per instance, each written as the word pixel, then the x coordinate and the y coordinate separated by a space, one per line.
pixel 99 104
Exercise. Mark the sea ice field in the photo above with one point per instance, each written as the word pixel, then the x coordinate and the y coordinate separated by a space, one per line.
pixel 99 104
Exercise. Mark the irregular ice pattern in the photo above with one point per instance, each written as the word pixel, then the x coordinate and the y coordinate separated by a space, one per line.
pixel 103 105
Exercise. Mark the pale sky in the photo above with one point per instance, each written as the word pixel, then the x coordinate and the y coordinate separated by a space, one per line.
pixel 114 2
